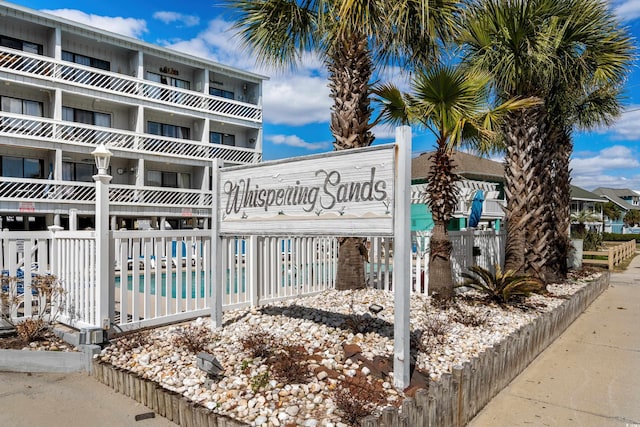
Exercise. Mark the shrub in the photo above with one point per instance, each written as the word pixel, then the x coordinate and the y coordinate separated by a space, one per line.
pixel 258 344
pixel 193 338
pixel 133 340
pixel 47 304
pixel 467 317
pixel 435 333
pixel 31 329
pixel 358 398
pixel 289 364
pixel 592 241
pixel 501 286
pixel 618 237
pixel 259 381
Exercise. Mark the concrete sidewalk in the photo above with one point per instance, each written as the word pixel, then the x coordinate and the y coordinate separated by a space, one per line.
pixel 589 376
pixel 67 399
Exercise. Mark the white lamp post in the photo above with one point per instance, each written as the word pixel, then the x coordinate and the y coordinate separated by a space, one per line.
pixel 102 156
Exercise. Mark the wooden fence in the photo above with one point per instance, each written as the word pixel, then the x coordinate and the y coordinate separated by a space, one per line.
pixel 458 396
pixel 614 254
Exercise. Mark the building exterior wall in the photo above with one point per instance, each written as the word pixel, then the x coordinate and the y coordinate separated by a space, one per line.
pixel 166 117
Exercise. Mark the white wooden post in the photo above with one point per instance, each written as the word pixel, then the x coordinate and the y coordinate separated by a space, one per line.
pixel 103 265
pixel 402 259
pixel 253 260
pixel 216 249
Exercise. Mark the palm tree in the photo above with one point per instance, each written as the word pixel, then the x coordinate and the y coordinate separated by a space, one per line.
pixel 351 37
pixel 611 211
pixel 452 102
pixel 581 218
pixel 568 53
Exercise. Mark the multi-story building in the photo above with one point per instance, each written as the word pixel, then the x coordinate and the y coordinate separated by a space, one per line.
pixel 166 116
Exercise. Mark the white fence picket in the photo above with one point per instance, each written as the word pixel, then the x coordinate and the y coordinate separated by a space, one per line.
pixel 163 276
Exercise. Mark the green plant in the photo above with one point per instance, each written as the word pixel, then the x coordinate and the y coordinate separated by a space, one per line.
pixel 501 286
pixel 592 241
pixel 259 381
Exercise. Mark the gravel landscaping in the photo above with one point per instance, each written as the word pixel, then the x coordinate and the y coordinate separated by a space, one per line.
pixel 325 359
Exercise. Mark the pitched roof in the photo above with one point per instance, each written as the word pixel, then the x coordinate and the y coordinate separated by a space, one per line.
pixel 467 165
pixel 613 195
pixel 578 193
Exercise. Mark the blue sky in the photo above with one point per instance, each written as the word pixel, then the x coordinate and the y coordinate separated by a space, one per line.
pixel 296 104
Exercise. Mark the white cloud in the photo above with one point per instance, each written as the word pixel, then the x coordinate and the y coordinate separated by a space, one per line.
pixel 627 127
pixel 124 26
pixel 289 98
pixel 598 169
pixel 169 17
pixel 296 141
pixel 627 10
pixel 296 100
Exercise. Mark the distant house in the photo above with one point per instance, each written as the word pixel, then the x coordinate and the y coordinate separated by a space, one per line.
pixel 478 174
pixel 626 200
pixel 586 201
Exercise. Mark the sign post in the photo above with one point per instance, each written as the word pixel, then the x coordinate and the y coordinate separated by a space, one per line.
pixel 402 259
pixel 359 192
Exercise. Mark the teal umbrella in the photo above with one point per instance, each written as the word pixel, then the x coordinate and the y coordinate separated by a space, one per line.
pixel 476 209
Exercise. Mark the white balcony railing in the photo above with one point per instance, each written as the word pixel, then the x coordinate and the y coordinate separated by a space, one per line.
pixel 61 71
pixel 52 191
pixel 86 135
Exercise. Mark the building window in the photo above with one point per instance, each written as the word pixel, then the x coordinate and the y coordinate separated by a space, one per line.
pixel 87 117
pixel 22 106
pixel 20 167
pixel 221 93
pixel 168 80
pixel 172 131
pixel 86 60
pixel 168 179
pixel 222 138
pixel 79 172
pixel 21 45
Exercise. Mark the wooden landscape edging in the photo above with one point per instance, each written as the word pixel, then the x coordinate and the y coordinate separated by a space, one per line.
pixel 453 400
pixel 458 396
pixel 166 403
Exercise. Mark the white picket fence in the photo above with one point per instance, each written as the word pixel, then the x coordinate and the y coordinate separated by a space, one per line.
pixel 164 276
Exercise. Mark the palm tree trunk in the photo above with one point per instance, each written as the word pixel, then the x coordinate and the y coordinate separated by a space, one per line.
pixel 440 275
pixel 527 226
pixel 350 68
pixel 351 259
pixel 442 201
pixel 559 193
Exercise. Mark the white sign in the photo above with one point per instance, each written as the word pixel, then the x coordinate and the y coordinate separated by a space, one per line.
pixel 348 192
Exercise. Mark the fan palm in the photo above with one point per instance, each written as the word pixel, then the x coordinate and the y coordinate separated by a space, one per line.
pixel 574 56
pixel 452 102
pixel 351 37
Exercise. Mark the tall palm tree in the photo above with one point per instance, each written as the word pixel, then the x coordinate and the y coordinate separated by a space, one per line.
pixel 453 103
pixel 352 38
pixel 564 52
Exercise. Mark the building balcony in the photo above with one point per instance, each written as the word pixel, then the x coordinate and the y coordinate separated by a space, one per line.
pixel 40 132
pixel 51 70
pixel 51 196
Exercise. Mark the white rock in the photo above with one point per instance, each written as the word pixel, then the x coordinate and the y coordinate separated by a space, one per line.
pixel 292 410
